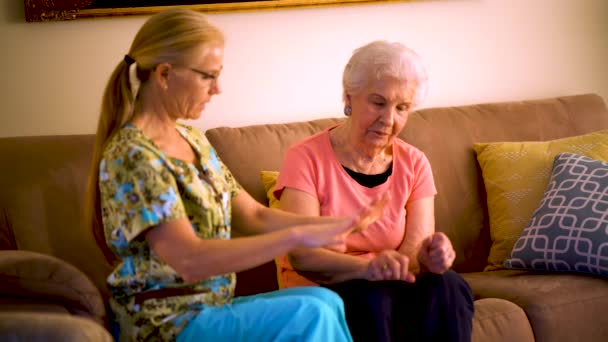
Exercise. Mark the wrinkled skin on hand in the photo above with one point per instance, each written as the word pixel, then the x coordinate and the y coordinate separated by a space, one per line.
pixel 390 265
pixel 437 253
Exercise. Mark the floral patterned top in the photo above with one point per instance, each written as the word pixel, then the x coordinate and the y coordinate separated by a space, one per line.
pixel 142 187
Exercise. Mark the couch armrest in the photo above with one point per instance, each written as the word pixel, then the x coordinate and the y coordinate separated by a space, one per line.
pixel 20 326
pixel 31 276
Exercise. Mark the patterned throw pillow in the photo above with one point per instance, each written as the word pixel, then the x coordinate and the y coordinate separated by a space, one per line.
pixel 569 229
pixel 515 175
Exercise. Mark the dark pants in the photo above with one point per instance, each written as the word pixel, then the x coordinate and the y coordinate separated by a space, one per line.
pixel 434 308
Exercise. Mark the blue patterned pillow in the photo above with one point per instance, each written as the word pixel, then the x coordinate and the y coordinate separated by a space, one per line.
pixel 569 230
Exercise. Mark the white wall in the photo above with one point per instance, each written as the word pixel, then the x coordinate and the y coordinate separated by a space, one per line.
pixel 286 65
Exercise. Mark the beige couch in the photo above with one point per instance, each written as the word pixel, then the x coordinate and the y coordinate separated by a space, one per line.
pixel 41 202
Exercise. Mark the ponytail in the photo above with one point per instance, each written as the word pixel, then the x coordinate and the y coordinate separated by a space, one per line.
pixel 116 110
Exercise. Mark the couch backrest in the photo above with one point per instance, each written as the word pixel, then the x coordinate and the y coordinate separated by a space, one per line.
pixel 446 136
pixel 42 188
pixel 43 179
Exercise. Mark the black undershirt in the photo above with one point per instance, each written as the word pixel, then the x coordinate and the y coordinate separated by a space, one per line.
pixel 370 181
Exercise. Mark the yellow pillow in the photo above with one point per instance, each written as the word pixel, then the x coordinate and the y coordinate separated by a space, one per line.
pixel 516 174
pixel 269 179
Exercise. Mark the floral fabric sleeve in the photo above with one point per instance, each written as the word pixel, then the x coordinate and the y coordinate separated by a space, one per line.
pixel 138 191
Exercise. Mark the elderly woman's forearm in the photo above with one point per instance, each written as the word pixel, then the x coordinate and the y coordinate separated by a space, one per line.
pixel 412 253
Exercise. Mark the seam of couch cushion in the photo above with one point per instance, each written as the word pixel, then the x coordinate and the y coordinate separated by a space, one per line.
pixel 7 235
pixel 500 314
pixel 535 307
pixel 34 326
pixel 13 285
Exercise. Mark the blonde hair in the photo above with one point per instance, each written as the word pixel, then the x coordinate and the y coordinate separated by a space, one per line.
pixel 384 59
pixel 170 36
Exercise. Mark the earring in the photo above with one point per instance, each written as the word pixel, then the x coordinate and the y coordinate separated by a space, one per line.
pixel 348 110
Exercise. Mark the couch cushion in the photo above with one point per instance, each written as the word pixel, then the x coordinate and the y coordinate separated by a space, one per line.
pixel 42 200
pixel 7 237
pixel 560 307
pixel 500 320
pixel 21 304
pixel 250 149
pixel 36 326
pixel 33 276
pixel 569 229
pixel 515 176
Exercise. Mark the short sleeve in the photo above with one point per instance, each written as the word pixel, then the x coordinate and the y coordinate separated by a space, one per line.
pixel 297 171
pixel 137 191
pixel 424 184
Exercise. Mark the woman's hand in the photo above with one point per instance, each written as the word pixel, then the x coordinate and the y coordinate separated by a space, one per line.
pixel 437 253
pixel 390 265
pixel 370 214
pixel 332 234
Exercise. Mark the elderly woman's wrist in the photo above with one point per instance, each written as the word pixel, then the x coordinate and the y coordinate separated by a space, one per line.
pixel 356 274
pixel 421 266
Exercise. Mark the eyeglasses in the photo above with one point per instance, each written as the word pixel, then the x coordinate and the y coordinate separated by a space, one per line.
pixel 204 74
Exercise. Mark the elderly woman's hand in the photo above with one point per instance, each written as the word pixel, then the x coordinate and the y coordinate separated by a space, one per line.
pixel 436 253
pixel 390 265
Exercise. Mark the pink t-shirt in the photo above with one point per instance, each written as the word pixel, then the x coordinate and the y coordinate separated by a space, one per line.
pixel 311 166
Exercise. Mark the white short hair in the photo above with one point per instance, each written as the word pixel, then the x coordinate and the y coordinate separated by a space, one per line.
pixel 381 59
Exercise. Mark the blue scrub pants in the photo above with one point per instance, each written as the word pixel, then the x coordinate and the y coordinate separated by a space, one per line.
pixel 295 314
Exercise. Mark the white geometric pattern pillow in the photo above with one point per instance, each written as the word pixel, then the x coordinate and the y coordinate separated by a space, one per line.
pixel 569 229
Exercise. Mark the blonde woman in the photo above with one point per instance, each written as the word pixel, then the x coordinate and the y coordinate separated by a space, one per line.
pixel 163 206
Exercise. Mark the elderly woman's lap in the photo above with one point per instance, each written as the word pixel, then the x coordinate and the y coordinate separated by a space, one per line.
pixel 435 307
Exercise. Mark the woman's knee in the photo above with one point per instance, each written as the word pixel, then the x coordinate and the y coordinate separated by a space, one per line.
pixel 451 285
pixel 326 296
pixel 286 316
pixel 381 295
pixel 315 291
pixel 449 279
pixel 459 285
pixel 320 318
pixel 312 302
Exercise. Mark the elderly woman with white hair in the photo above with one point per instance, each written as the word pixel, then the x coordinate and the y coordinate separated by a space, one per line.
pixel 394 277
